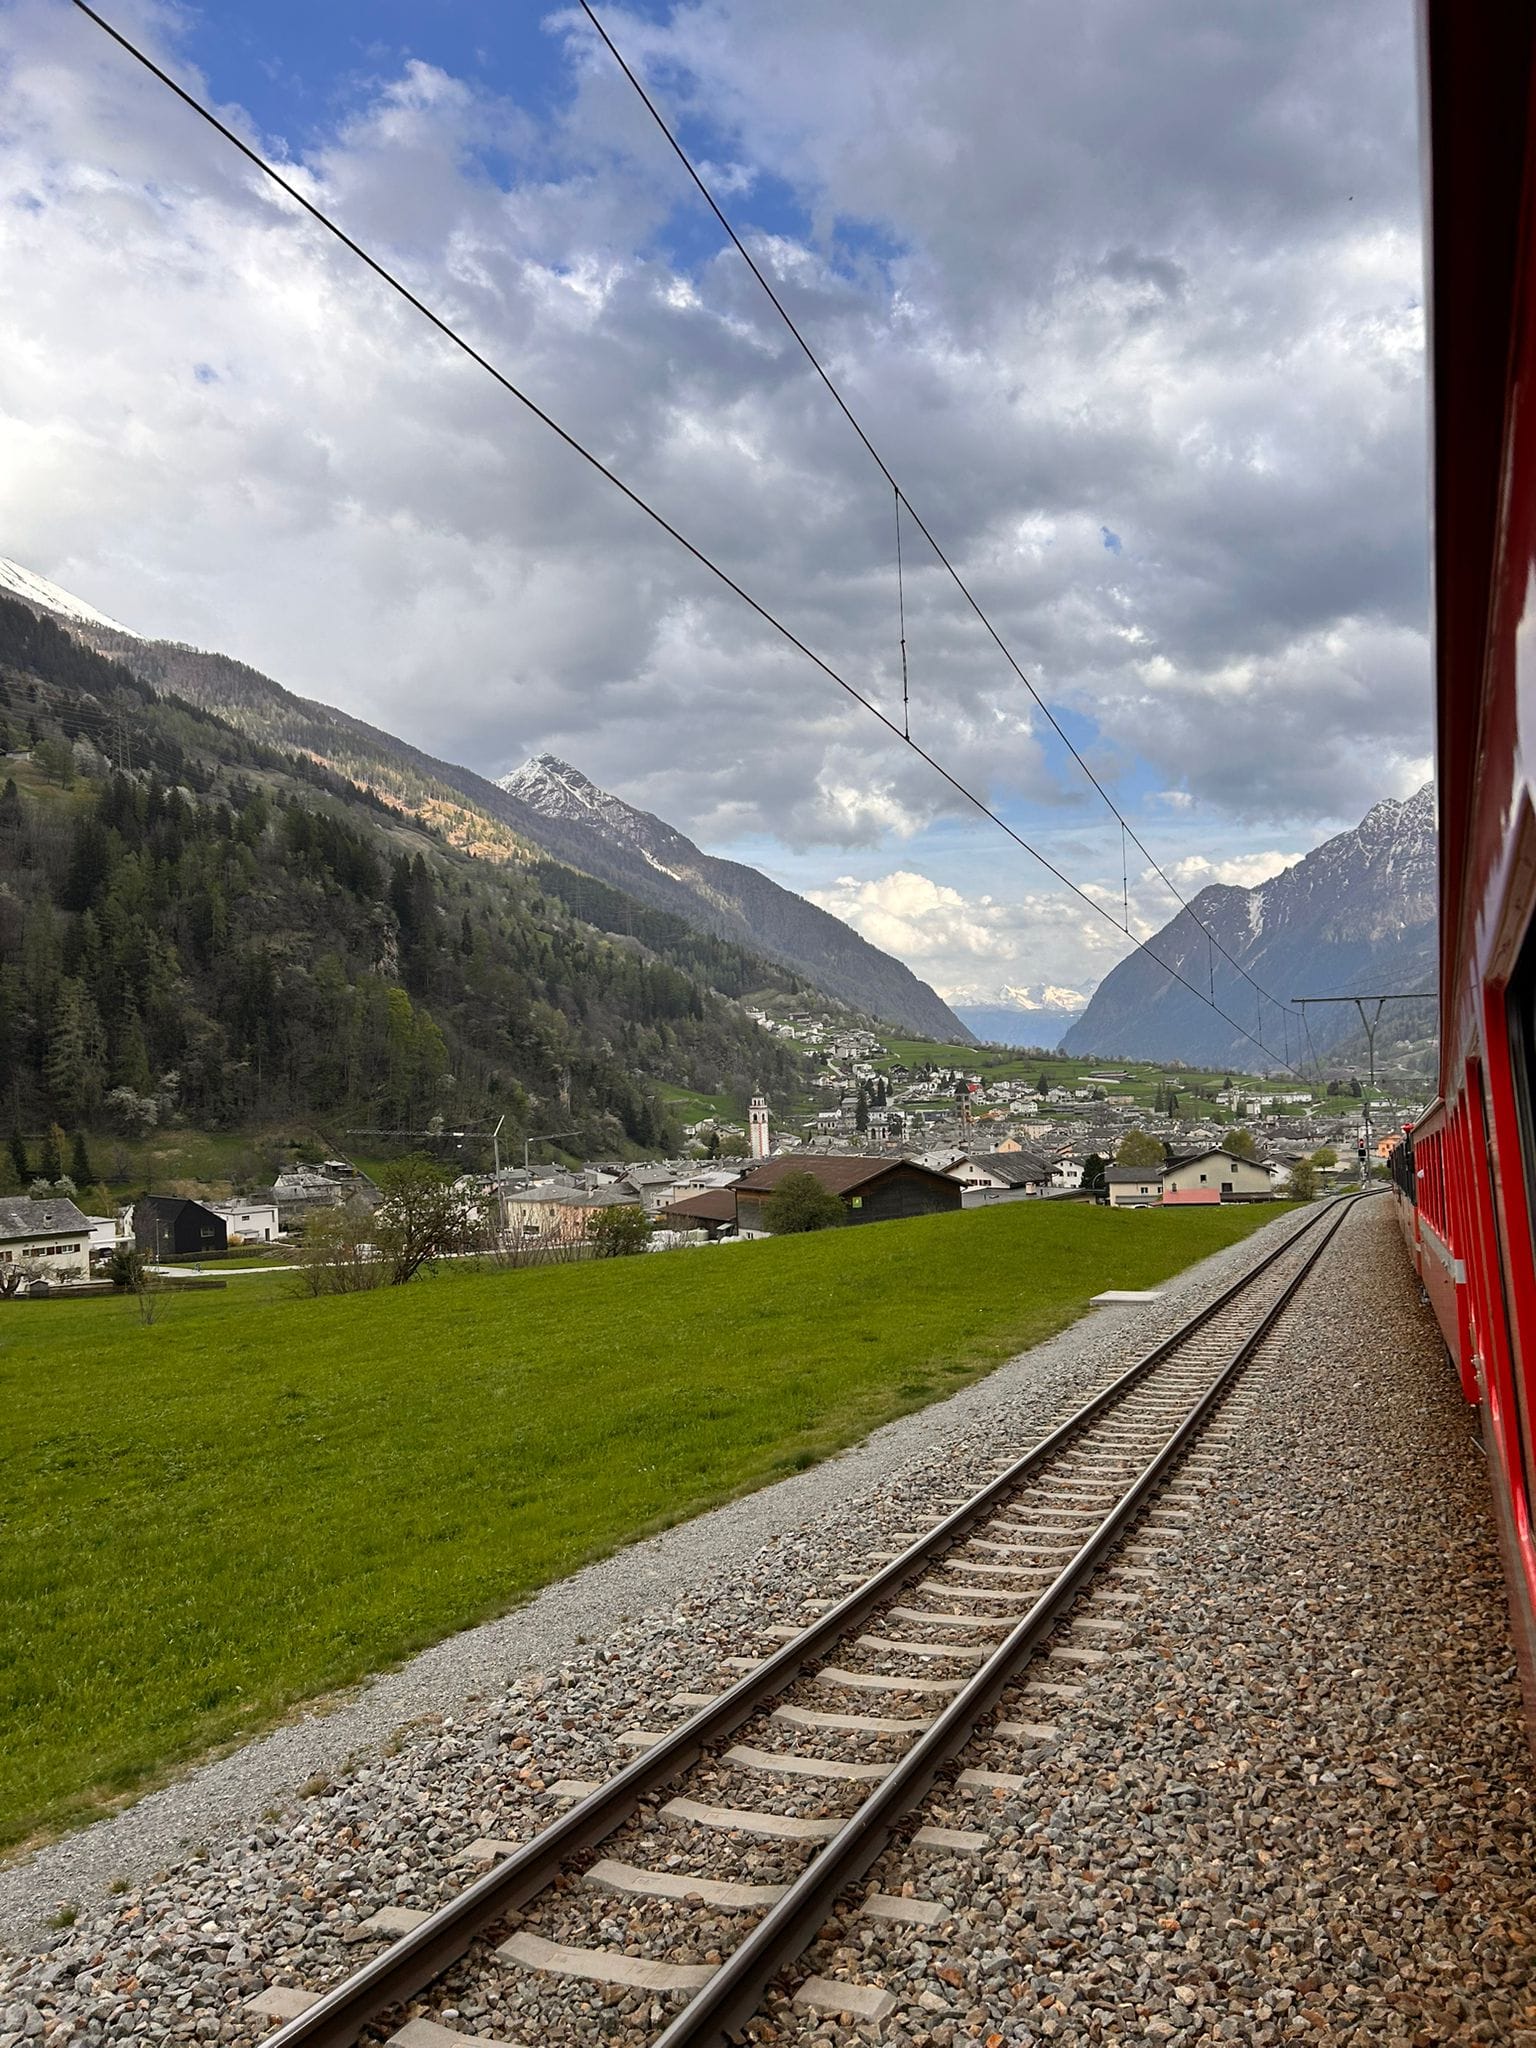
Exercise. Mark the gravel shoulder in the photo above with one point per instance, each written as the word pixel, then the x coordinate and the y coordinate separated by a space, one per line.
pixel 860 1494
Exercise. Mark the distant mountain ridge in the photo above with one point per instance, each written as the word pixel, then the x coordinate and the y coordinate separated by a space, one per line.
pixel 1358 913
pixel 561 814
pixel 602 834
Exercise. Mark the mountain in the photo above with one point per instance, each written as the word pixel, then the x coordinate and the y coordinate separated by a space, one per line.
pixel 598 832
pixel 560 814
pixel 37 590
pixel 197 927
pixel 1357 913
pixel 999 1024
pixel 1034 1016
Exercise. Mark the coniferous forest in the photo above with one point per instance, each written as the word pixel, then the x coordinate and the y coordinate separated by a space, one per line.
pixel 196 926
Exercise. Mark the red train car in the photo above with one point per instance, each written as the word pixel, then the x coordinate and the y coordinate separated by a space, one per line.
pixel 1466 1175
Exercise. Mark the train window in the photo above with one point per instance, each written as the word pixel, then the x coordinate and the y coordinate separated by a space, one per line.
pixel 1521 1001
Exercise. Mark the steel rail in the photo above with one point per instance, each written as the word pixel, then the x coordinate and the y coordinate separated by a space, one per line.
pixel 735 1992
pixel 415 1959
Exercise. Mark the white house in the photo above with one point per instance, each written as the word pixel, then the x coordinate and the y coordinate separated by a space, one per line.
pixel 1134 1187
pixel 1236 1179
pixel 108 1232
pixel 46 1240
pixel 255 1221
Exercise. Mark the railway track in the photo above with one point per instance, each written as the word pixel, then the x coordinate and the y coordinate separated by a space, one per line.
pixel 863 1712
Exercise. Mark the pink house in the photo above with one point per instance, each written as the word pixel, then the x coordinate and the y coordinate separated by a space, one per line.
pixel 1185 1198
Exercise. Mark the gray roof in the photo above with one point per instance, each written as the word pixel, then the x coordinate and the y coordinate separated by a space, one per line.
pixel 1017 1168
pixel 20 1217
pixel 1131 1176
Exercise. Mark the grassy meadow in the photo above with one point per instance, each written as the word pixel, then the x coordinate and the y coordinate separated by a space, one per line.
pixel 263 1497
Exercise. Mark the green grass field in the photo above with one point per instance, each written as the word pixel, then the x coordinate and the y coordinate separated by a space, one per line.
pixel 264 1497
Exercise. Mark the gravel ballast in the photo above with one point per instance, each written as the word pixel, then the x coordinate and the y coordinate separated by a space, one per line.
pixel 1295 1803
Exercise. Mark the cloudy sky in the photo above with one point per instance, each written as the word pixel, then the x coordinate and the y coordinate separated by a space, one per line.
pixel 1127 296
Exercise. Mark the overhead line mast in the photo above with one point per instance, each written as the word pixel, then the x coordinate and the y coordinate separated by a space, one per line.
pixel 451 334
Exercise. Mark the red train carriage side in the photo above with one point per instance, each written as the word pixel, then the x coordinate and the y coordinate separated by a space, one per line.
pixel 1470 1167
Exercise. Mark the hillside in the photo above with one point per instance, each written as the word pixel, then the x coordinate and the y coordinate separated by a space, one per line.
pixel 595 830
pixel 547 806
pixel 1357 912
pixel 198 926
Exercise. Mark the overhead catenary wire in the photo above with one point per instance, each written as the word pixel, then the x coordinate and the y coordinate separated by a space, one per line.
pixel 595 462
pixel 901 618
pixel 902 499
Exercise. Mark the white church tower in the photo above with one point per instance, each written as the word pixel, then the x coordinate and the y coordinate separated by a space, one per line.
pixel 757 1122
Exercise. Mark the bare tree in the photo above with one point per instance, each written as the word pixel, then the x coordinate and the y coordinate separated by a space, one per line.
pixel 421 1219
pixel 336 1256
pixel 557 1240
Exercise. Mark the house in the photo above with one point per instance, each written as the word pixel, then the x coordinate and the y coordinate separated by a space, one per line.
pixel 559 1212
pixel 250 1220
pixel 108 1232
pixel 168 1226
pixel 1134 1187
pixel 870 1190
pixel 713 1212
pixel 1235 1179
pixel 651 1186
pixel 46 1240
pixel 1000 1176
pixel 299 1190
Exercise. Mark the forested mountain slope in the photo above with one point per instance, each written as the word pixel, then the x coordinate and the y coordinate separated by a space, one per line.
pixel 724 899
pixel 230 932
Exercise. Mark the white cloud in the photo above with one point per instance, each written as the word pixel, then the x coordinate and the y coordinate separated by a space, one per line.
pixel 966 945
pixel 1081 274
pixel 1242 871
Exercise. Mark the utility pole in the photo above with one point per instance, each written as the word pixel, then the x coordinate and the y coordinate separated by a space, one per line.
pixel 1370 1024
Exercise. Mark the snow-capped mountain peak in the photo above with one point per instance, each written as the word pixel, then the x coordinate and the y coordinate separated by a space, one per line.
pixel 555 789
pixel 26 584
pixel 574 820
pixel 1357 912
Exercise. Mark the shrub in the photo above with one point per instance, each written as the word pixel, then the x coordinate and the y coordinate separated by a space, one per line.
pixel 620 1232
pixel 800 1202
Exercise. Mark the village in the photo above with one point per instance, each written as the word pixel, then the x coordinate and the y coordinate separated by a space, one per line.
pixel 893 1137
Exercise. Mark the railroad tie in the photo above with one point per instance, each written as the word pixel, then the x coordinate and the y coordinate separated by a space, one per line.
pixel 857 1724
pixel 910 1912
pixel 281 2002
pixel 883 1681
pixel 892 1645
pixel 431 2034
pixel 603 1965
pixel 858 2001
pixel 792 1764
pixel 742 1820
pixel 672 1884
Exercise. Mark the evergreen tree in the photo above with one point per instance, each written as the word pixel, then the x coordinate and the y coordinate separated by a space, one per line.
pixel 52 1168
pixel 80 1161
pixel 21 1166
